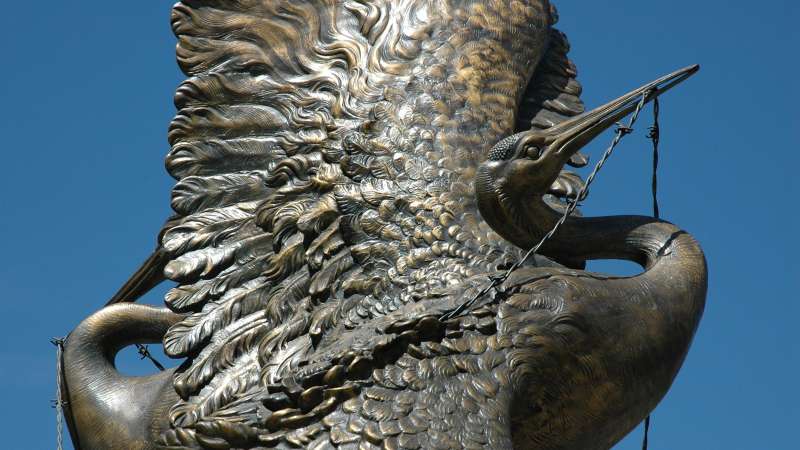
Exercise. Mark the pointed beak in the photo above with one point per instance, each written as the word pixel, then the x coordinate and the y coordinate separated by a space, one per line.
pixel 570 136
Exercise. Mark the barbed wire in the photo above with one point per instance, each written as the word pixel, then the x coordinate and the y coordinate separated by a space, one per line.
pixel 655 136
pixel 59 402
pixel 144 352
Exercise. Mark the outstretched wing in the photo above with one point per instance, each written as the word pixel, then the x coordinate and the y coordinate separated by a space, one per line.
pixel 278 96
pixel 312 187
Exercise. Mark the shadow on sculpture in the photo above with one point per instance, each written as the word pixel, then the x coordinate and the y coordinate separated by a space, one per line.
pixel 349 175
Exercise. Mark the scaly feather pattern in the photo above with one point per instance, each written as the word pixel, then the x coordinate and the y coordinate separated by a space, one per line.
pixel 325 175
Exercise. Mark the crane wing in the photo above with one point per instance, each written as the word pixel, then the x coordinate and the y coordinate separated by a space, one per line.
pixel 308 191
pixel 279 95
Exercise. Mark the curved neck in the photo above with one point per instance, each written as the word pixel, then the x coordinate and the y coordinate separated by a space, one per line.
pixel 641 326
pixel 639 239
pixel 106 409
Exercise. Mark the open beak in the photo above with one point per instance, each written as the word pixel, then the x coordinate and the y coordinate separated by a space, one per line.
pixel 570 136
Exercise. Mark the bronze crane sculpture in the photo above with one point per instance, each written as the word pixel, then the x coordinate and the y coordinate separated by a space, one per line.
pixel 350 173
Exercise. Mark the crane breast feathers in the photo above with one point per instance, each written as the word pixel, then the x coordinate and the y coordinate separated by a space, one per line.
pixel 274 175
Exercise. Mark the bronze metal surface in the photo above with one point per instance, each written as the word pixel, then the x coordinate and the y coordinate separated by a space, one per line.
pixel 348 171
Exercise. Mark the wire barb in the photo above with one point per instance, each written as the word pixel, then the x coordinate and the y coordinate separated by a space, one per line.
pixel 144 352
pixel 623 130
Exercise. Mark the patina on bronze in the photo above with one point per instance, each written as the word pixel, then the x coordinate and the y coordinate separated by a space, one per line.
pixel 350 171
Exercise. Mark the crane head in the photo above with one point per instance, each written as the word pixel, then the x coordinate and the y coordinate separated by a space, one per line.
pixel 527 163
pixel 510 186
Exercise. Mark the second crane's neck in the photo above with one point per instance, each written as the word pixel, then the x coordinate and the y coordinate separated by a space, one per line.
pixel 639 239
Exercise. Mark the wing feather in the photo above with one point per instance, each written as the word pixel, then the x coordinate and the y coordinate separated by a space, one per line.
pixel 207 229
pixel 227 382
pixel 553 95
pixel 229 344
pixel 208 262
pixel 187 336
pixel 214 156
pixel 197 193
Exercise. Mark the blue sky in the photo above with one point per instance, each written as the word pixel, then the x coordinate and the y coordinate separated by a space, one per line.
pixel 86 92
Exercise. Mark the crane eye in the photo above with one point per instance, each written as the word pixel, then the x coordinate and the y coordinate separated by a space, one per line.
pixel 532 151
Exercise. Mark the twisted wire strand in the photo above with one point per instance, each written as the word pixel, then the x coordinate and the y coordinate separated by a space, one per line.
pixel 655 136
pixel 58 403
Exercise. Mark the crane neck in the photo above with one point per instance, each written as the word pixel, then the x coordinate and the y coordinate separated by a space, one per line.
pixel 640 239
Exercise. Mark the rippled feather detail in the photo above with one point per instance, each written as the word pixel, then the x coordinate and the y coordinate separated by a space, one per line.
pixel 187 336
pixel 328 242
pixel 184 298
pixel 228 344
pixel 322 283
pixel 299 174
pixel 287 261
pixel 210 261
pixel 291 353
pixel 319 215
pixel 216 156
pixel 207 228
pixel 196 193
pixel 287 295
pixel 188 297
pixel 281 336
pixel 241 375
pixel 199 264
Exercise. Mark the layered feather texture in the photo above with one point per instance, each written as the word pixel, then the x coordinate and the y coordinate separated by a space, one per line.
pixel 324 152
